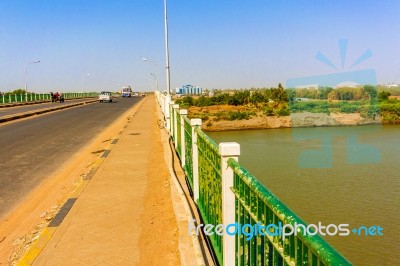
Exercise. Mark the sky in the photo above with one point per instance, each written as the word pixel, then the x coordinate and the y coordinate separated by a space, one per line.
pixel 95 45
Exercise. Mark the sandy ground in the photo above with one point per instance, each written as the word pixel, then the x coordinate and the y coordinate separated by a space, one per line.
pixel 158 214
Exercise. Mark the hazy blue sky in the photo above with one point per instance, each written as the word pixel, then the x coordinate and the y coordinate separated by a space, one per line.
pixel 213 43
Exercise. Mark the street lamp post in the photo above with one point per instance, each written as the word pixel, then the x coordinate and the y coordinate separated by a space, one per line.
pixel 168 97
pixel 26 84
pixel 155 80
pixel 154 63
pixel 166 48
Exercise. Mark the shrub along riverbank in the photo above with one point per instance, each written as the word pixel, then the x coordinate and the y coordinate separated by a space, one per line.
pixel 367 102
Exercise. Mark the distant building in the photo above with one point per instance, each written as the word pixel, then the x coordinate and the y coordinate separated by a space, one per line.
pixel 189 89
pixel 392 85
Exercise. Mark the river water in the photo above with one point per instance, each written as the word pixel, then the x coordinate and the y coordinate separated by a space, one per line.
pixel 333 175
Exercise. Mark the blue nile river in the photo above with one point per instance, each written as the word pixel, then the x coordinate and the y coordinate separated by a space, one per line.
pixel 333 175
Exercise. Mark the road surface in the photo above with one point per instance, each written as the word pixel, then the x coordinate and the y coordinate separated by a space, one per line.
pixel 32 148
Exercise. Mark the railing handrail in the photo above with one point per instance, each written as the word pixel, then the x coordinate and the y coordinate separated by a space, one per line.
pixel 322 249
pixel 209 140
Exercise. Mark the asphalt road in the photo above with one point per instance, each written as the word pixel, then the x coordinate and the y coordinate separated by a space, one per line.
pixel 32 107
pixel 31 149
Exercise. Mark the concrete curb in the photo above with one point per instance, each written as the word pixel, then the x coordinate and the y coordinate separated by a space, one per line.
pixel 199 257
pixel 42 111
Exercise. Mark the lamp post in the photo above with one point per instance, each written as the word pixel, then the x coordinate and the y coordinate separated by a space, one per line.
pixel 155 80
pixel 154 63
pixel 26 84
pixel 166 49
pixel 168 96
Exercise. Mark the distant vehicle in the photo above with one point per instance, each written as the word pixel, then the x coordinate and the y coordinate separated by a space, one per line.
pixel 105 96
pixel 126 91
pixel 136 94
pixel 57 97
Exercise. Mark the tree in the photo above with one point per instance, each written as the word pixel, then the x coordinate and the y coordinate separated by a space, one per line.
pixel 371 90
pixel 257 97
pixel 384 95
pixel 18 91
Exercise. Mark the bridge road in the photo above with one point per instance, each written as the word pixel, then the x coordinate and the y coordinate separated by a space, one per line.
pixel 31 149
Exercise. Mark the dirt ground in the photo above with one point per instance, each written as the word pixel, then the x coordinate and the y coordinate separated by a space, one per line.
pixel 158 214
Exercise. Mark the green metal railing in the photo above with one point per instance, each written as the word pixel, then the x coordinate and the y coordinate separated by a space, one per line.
pixel 210 190
pixel 253 203
pixel 188 167
pixel 256 204
pixel 178 134
pixel 31 97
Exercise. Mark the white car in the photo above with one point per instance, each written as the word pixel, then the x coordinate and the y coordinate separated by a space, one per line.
pixel 105 96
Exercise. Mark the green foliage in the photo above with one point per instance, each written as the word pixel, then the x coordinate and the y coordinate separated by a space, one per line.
pixel 269 111
pixel 233 115
pixel 203 101
pixel 384 95
pixel 257 97
pixel 283 111
pixel 278 95
pixel 240 98
pixel 239 115
pixel 17 92
pixel 222 98
pixel 310 106
pixel 349 109
pixel 291 95
pixel 371 90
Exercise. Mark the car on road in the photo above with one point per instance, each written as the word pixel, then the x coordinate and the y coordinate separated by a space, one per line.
pixel 105 96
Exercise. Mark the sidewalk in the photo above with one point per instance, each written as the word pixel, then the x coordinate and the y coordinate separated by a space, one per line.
pixel 124 215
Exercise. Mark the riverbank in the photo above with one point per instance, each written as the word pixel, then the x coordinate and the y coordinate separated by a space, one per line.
pixel 227 117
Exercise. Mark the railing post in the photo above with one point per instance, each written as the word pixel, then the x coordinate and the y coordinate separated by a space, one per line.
pixel 174 127
pixel 166 112
pixel 195 158
pixel 183 112
pixel 171 118
pixel 228 150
